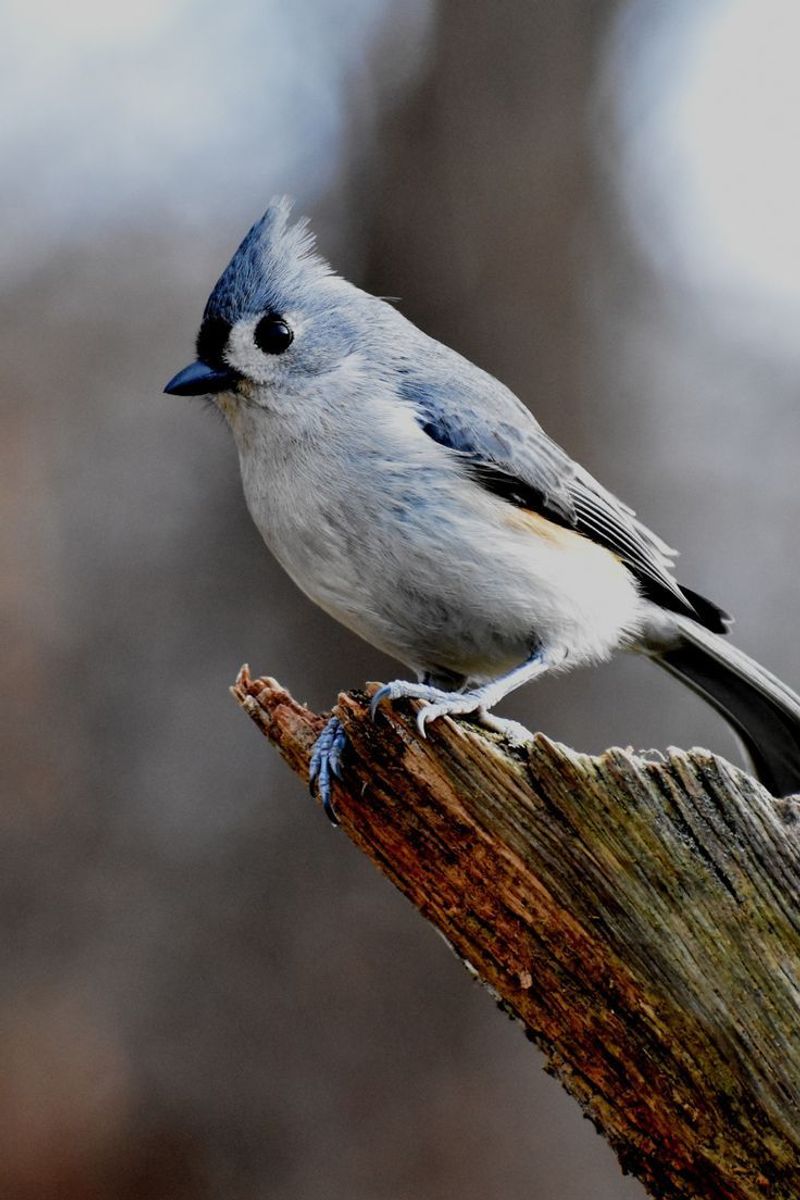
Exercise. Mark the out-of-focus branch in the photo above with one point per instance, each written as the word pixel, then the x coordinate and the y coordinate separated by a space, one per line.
pixel 640 918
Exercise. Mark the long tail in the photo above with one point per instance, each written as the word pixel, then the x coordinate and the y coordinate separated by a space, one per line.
pixel 764 712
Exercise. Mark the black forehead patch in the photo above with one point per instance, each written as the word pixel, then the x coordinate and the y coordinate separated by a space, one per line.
pixel 212 338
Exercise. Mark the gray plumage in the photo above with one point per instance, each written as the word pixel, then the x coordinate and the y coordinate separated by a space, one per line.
pixel 418 501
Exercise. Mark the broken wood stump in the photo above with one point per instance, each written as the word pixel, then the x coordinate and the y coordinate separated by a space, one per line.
pixel 639 917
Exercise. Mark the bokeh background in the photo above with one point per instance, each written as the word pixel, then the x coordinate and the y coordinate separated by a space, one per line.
pixel 206 992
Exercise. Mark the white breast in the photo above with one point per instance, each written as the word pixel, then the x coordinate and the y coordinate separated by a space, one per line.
pixel 383 530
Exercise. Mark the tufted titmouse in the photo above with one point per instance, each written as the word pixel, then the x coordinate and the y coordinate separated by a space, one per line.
pixel 417 500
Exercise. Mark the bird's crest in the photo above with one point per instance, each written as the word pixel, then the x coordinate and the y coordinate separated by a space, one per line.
pixel 272 267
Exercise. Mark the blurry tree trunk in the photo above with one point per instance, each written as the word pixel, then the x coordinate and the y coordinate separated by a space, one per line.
pixel 639 917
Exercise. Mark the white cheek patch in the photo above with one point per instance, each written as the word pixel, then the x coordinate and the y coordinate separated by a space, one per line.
pixel 244 356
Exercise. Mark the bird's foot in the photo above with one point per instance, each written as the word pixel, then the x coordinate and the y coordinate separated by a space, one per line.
pixel 452 704
pixel 403 689
pixel 326 765
pixel 514 732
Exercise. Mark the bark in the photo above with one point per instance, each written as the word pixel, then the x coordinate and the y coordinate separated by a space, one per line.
pixel 639 917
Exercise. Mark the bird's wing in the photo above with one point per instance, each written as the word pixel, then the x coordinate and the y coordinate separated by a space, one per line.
pixel 504 448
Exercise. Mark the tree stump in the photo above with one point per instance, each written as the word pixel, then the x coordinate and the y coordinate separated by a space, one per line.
pixel 639 916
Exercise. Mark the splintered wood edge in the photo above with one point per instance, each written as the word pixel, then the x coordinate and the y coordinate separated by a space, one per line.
pixel 290 726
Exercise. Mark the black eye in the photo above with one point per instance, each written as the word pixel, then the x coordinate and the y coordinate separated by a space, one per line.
pixel 272 334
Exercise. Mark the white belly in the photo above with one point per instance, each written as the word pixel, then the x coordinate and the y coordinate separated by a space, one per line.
pixel 443 584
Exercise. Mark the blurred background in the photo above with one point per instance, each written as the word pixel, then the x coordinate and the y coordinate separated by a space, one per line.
pixel 207 992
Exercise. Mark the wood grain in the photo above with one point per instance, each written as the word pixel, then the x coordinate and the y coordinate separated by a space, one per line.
pixel 639 917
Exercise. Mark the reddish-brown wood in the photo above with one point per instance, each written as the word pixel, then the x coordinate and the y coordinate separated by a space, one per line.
pixel 640 918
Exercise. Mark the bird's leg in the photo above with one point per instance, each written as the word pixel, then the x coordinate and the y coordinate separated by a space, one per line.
pixel 476 701
pixel 326 764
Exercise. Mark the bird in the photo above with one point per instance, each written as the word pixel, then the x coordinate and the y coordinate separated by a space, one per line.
pixel 418 501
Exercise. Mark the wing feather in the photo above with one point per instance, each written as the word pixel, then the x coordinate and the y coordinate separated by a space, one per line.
pixel 504 448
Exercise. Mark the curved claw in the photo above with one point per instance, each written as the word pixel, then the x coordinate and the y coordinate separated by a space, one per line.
pixel 456 706
pixel 428 714
pixel 326 765
pixel 383 693
pixel 403 689
pixel 438 703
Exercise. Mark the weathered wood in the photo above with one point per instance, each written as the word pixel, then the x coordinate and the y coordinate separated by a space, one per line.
pixel 639 917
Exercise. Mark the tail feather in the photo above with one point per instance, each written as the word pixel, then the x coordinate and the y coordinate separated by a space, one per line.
pixel 764 711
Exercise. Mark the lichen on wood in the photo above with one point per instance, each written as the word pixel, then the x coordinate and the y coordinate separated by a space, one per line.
pixel 639 917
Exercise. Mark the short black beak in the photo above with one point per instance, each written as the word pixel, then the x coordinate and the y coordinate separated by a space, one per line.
pixel 198 379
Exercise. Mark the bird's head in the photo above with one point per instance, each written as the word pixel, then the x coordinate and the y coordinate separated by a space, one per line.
pixel 277 318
